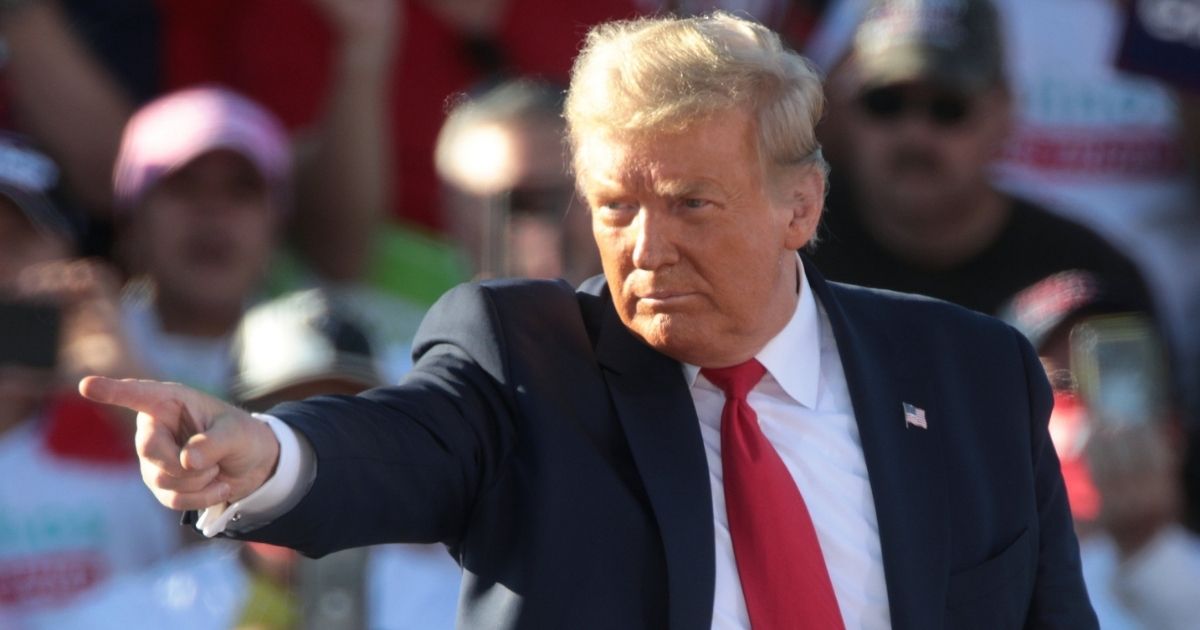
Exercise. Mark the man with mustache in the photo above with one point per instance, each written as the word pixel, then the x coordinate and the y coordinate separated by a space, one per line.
pixel 708 435
pixel 928 111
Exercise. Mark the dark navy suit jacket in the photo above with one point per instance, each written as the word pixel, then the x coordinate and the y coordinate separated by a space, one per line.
pixel 560 459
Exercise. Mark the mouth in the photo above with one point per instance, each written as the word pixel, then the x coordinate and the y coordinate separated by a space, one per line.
pixel 663 299
pixel 209 252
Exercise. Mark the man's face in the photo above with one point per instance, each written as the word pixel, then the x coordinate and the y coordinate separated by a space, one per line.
pixel 697 247
pixel 206 231
pixel 921 150
pixel 546 235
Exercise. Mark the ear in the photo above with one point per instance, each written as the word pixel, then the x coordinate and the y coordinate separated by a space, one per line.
pixel 801 195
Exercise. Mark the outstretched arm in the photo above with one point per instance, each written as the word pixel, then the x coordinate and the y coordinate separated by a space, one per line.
pixel 395 464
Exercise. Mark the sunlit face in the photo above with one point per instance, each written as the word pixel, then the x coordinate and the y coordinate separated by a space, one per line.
pixel 698 248
pixel 206 231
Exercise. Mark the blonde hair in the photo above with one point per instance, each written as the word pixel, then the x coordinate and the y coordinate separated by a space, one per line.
pixel 662 74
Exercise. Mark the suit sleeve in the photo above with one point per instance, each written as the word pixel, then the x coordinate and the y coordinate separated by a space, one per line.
pixel 1060 599
pixel 407 463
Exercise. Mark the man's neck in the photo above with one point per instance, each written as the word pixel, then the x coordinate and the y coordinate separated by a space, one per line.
pixel 938 238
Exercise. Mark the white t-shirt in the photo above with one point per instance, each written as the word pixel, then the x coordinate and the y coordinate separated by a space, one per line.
pixel 67 525
pixel 199 362
pixel 204 587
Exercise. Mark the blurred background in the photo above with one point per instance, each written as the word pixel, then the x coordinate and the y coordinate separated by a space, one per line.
pixel 260 198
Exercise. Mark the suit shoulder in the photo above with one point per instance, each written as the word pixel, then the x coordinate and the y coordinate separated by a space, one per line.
pixel 500 296
pixel 511 305
pixel 542 297
pixel 914 313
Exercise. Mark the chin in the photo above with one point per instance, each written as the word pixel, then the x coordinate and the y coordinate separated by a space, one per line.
pixel 666 333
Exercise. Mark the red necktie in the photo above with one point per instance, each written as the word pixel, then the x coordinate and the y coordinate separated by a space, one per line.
pixel 779 561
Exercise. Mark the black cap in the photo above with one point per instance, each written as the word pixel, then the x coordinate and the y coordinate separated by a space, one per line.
pixel 955 43
pixel 1044 307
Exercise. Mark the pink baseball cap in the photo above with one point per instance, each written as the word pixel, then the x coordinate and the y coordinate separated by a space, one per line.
pixel 175 129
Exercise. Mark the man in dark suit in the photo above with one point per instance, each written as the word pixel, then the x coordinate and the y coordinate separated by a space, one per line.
pixel 708 436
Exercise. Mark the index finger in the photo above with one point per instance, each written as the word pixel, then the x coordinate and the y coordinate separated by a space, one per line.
pixel 152 397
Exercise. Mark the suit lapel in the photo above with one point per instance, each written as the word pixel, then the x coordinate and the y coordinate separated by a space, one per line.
pixel 904 464
pixel 659 420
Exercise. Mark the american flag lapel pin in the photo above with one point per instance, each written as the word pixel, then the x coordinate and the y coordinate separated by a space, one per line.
pixel 914 416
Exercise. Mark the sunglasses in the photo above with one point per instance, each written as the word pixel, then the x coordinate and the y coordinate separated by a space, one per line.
pixel 890 104
pixel 550 201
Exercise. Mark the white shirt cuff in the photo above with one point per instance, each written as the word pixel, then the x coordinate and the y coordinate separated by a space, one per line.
pixel 293 477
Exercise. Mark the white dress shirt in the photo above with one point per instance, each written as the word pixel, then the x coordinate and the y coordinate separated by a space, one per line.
pixel 804 409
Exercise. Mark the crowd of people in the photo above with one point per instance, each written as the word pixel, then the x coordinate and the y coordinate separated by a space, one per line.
pixel 259 199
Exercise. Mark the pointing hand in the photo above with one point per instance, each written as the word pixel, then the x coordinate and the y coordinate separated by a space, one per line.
pixel 195 450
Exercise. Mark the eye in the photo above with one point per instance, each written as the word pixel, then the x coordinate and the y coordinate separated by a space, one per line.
pixel 617 206
pixel 615 212
pixel 694 203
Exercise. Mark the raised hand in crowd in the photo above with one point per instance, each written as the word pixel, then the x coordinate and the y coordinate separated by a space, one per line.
pixel 342 164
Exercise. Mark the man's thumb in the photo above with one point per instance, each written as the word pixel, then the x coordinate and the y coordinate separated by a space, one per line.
pixel 211 447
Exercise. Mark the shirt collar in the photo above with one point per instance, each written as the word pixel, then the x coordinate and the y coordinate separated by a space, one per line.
pixel 792 357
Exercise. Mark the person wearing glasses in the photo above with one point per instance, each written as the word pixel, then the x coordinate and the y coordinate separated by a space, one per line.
pixel 914 209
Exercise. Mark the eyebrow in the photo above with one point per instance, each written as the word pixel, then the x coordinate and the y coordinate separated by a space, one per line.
pixel 609 184
pixel 683 187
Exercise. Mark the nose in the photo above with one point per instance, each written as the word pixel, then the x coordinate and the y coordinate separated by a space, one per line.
pixel 654 246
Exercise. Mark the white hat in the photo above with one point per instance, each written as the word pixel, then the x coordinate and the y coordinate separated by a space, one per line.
pixel 299 338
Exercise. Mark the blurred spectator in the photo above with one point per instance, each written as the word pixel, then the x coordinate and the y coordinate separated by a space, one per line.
pixel 199 181
pixel 1107 148
pixel 309 344
pixel 1116 429
pixel 282 53
pixel 916 211
pixel 80 514
pixel 48 74
pixel 60 53
pixel 304 61
pixel 290 348
pixel 1161 41
pixel 299 345
pixel 510 198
